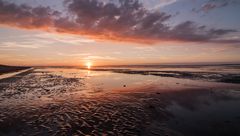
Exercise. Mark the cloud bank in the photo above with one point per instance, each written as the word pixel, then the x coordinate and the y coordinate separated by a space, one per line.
pixel 119 20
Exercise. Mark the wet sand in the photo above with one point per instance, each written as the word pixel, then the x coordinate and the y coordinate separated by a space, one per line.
pixel 80 102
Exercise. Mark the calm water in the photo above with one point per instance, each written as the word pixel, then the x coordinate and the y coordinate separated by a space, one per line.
pixel 189 68
pixel 108 78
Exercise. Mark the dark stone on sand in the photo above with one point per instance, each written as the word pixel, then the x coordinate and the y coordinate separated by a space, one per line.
pixel 231 79
pixel 151 107
pixel 227 121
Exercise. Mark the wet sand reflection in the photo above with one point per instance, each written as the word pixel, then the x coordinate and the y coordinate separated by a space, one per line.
pixel 81 102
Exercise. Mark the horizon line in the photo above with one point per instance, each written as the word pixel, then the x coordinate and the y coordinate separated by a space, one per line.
pixel 143 64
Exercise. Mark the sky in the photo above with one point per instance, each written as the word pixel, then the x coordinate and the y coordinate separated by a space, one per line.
pixel 119 32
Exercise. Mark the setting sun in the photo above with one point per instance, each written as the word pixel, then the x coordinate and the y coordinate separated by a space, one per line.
pixel 88 64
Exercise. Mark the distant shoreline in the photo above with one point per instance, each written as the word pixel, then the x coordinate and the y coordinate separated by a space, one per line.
pixel 8 69
pixel 190 65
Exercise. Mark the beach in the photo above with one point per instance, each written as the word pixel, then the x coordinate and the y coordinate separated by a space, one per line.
pixel 123 101
pixel 119 68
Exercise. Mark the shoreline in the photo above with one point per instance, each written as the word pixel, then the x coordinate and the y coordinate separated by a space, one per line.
pixel 4 69
pixel 12 74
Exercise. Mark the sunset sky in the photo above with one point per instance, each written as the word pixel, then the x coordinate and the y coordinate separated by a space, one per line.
pixel 118 32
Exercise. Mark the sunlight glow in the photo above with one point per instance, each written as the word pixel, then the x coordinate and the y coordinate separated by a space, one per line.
pixel 89 64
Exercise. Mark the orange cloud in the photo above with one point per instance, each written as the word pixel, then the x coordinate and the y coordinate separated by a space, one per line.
pixel 128 22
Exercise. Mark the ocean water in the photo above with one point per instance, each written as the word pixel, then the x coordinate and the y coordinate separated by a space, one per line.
pixel 165 77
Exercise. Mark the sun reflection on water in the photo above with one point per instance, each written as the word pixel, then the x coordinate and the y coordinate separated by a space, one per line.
pixel 89 65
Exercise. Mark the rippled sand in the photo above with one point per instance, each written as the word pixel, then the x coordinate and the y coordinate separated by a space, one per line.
pixel 56 102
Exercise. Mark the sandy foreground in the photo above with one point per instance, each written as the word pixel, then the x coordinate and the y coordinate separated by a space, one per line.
pixel 55 102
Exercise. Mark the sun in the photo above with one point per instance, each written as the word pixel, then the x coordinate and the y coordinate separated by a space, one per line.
pixel 89 65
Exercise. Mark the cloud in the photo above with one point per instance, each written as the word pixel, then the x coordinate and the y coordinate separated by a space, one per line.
pixel 190 31
pixel 99 58
pixel 73 54
pixel 213 4
pixel 119 20
pixel 156 4
pixel 66 39
pixel 86 56
pixel 14 45
pixel 26 17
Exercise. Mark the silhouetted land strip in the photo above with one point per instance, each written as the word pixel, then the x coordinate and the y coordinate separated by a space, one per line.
pixel 7 69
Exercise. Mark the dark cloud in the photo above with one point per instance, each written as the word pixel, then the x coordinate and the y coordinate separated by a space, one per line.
pixel 209 6
pixel 213 4
pixel 127 20
pixel 190 31
pixel 25 16
pixel 217 32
